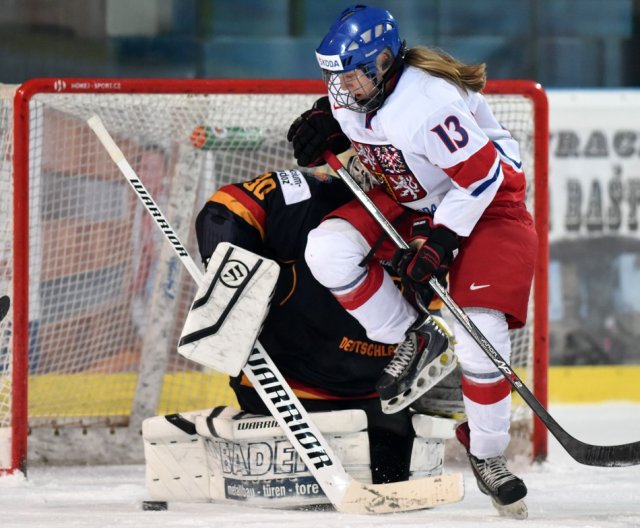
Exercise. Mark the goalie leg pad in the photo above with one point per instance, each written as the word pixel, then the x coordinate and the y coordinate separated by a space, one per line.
pixel 224 454
pixel 175 457
pixel 251 460
pixel 427 455
pixel 227 314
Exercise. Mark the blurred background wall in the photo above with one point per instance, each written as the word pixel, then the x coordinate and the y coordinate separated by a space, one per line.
pixel 560 43
pixel 567 45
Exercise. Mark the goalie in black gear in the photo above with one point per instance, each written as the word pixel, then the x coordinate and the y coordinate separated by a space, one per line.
pixel 321 350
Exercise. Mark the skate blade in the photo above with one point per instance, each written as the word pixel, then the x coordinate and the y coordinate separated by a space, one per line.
pixel 518 510
pixel 430 376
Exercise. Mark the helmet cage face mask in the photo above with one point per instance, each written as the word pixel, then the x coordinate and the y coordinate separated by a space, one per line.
pixel 353 44
pixel 345 98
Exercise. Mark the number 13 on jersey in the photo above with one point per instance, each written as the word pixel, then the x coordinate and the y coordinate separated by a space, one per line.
pixel 453 134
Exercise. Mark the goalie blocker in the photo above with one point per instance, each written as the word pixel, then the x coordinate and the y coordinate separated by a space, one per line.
pixel 229 308
pixel 222 454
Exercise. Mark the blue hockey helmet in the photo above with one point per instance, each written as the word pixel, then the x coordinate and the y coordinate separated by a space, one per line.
pixel 354 42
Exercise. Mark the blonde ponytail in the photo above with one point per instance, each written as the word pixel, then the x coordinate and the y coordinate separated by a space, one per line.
pixel 466 76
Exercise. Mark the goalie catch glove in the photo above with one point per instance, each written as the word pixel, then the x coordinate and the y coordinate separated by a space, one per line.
pixel 315 131
pixel 432 250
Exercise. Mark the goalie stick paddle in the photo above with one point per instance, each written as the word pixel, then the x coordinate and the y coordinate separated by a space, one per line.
pixel 5 304
pixel 346 494
pixel 588 454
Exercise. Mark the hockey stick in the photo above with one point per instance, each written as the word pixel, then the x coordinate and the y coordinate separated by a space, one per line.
pixel 588 454
pixel 346 494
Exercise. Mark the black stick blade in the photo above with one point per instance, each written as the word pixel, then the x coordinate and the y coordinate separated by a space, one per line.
pixel 604 456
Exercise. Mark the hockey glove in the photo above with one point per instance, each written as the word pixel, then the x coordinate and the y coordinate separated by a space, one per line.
pixel 432 250
pixel 315 131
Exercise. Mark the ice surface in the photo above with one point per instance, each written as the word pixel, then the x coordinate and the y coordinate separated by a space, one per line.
pixel 562 493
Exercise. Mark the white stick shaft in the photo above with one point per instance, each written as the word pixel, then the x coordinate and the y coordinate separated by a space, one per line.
pixel 125 168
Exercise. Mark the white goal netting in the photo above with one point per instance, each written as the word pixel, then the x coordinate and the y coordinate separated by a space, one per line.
pixel 107 297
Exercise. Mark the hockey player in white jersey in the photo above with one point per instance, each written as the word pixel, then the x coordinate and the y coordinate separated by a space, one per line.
pixel 453 186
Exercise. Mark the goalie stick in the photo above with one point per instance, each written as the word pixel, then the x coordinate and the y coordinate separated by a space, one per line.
pixel 588 454
pixel 346 494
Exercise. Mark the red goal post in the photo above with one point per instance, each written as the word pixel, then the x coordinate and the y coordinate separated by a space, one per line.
pixel 86 335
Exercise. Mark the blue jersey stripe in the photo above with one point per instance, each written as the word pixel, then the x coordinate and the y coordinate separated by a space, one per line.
pixel 516 164
pixel 352 284
pixel 486 184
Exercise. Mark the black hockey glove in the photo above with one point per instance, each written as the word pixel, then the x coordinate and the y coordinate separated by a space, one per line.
pixel 315 131
pixel 432 250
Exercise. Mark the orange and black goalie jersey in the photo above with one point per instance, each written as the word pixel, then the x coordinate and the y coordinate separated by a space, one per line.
pixel 321 350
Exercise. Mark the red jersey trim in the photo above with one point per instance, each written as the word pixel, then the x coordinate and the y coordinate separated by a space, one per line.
pixel 362 293
pixel 513 188
pixel 241 205
pixel 485 393
pixel 467 172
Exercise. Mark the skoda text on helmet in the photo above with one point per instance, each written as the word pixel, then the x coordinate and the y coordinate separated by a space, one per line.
pixel 354 44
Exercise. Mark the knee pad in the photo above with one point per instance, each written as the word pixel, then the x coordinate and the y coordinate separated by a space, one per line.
pixel 334 251
pixel 473 360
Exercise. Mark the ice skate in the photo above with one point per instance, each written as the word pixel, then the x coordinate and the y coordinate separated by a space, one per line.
pixel 507 491
pixel 420 362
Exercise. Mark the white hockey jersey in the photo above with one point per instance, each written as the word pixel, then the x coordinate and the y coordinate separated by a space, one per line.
pixel 437 149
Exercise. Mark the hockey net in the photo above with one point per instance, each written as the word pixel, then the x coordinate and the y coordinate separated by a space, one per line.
pixel 99 297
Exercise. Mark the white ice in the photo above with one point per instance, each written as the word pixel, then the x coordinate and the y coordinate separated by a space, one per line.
pixel 562 493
